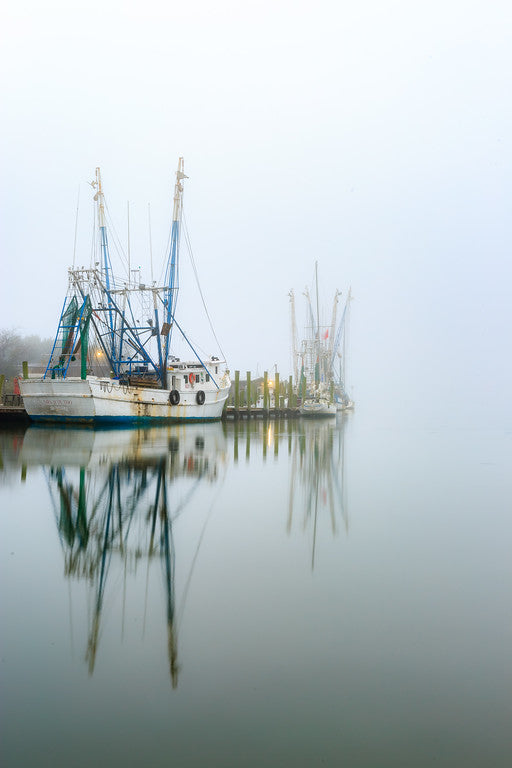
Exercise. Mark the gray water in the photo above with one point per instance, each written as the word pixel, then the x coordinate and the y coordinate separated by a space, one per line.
pixel 284 594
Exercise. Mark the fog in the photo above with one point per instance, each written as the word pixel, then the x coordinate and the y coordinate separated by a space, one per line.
pixel 372 137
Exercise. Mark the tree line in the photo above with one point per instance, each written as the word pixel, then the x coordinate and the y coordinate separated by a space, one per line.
pixel 14 348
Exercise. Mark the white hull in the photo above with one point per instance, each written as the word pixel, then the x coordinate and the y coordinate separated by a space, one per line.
pixel 348 406
pixel 105 400
pixel 98 449
pixel 318 408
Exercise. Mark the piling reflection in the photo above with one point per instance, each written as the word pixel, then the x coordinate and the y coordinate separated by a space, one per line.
pixel 11 443
pixel 116 498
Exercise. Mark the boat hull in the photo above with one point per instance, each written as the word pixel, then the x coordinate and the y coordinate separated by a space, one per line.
pixel 96 400
pixel 318 408
pixel 345 406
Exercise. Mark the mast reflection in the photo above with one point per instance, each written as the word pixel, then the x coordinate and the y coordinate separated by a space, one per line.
pixel 117 496
pixel 316 453
pixel 111 495
pixel 317 477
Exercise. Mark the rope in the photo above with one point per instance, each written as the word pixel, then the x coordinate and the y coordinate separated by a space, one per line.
pixel 167 252
pixel 76 226
pixel 92 255
pixel 189 247
pixel 116 242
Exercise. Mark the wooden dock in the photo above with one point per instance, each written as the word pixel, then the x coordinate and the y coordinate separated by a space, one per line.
pixel 13 414
pixel 259 413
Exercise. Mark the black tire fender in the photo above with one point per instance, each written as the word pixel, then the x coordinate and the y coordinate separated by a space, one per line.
pixel 200 397
pixel 174 397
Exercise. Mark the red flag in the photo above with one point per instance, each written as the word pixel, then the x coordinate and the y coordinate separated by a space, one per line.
pixel 326 334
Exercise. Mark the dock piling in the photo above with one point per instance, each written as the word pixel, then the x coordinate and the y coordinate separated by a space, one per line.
pixel 250 400
pixel 237 391
pixel 291 404
pixel 265 391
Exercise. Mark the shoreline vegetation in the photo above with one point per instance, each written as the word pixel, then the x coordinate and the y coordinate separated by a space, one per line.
pixel 16 347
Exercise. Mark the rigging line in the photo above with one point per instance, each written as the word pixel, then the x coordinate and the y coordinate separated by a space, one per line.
pixel 113 229
pixel 189 246
pixel 76 225
pixel 193 350
pixel 92 257
pixel 55 510
pixel 194 559
pixel 116 241
pixel 167 251
pixel 203 351
pixel 150 243
pixel 181 507
pixel 117 248
pixel 128 228
pixel 71 633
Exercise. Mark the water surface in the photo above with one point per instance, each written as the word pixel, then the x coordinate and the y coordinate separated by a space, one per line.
pixel 282 594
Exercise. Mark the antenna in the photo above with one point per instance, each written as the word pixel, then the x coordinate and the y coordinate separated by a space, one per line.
pixel 128 223
pixel 294 338
pixel 317 309
pixel 76 225
pixel 150 242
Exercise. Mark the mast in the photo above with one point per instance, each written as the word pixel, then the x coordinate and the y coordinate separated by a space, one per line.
pixel 107 266
pixel 162 365
pixel 167 545
pixel 345 333
pixel 309 344
pixel 171 288
pixel 332 329
pixel 294 338
pixel 317 364
pixel 317 306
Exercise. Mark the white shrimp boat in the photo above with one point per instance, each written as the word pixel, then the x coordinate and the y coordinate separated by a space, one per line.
pixel 101 321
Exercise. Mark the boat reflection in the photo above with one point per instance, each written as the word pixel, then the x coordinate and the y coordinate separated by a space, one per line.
pixel 117 496
pixel 316 451
pixel 317 477
pixel 111 495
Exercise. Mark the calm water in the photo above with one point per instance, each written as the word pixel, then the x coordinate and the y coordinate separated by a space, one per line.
pixel 289 594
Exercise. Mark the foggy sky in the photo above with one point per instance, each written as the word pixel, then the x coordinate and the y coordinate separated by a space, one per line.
pixel 374 137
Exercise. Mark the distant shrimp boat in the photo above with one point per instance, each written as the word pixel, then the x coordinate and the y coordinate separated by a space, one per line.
pixel 318 406
pixel 101 317
pixel 319 385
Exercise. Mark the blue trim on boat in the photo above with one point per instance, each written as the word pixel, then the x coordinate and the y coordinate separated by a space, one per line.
pixel 121 419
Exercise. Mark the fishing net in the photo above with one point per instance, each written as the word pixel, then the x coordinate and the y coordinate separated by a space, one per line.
pixel 84 335
pixel 68 323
